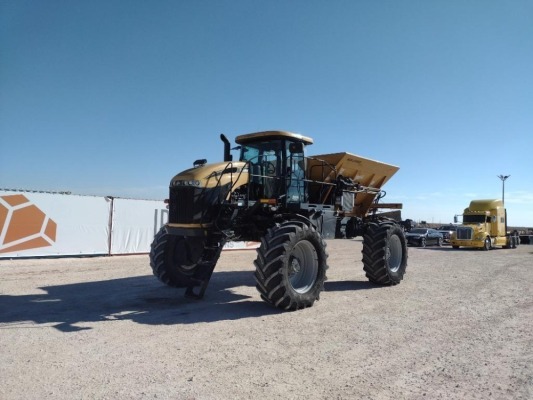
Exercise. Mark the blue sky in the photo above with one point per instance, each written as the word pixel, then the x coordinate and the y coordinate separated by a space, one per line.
pixel 115 97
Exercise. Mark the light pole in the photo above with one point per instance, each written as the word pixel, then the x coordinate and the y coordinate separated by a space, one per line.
pixel 503 178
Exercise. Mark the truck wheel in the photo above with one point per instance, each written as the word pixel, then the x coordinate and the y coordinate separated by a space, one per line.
pixel 487 244
pixel 350 229
pixel 384 253
pixel 291 266
pixel 174 259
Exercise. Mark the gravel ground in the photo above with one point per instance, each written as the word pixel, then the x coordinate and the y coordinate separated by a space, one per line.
pixel 460 326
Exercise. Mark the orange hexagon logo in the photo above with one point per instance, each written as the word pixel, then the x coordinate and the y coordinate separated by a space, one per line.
pixel 23 226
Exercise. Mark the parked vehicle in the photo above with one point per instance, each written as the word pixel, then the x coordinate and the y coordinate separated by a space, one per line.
pixel 276 195
pixel 423 237
pixel 447 231
pixel 408 224
pixel 484 227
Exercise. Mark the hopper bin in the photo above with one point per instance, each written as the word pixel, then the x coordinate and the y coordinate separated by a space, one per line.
pixel 368 173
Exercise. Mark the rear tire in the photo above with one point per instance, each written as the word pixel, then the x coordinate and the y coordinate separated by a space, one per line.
pixel 350 229
pixel 175 259
pixel 384 253
pixel 291 266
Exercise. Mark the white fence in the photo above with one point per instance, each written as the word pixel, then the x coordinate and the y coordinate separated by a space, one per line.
pixel 36 224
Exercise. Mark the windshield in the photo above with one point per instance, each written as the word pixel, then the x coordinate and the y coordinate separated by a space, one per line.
pixel 260 152
pixel 475 219
pixel 418 230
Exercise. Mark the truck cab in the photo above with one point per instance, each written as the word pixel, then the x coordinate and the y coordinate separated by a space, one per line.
pixel 484 226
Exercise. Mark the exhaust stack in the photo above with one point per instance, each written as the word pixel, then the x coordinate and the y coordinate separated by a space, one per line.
pixel 227 153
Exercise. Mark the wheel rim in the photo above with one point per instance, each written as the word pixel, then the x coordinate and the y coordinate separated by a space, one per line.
pixel 303 266
pixel 186 254
pixel 395 253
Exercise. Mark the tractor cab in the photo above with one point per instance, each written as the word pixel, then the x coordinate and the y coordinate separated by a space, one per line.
pixel 276 166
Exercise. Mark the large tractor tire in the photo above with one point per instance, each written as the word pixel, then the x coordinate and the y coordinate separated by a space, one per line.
pixel 177 260
pixel 384 253
pixel 291 266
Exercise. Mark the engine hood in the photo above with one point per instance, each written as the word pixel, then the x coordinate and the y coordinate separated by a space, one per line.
pixel 212 175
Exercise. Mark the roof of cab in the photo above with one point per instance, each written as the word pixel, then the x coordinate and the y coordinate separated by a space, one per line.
pixel 250 137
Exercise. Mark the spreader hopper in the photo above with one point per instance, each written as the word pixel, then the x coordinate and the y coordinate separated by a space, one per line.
pixel 364 171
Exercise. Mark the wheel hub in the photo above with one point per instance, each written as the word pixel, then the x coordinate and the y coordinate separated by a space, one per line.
pixel 303 266
pixel 295 267
pixel 394 253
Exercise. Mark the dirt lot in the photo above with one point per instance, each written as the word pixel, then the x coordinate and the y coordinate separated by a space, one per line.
pixel 460 326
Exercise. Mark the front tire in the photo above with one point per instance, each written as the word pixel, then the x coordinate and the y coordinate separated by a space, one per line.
pixel 384 253
pixel 487 244
pixel 175 259
pixel 291 266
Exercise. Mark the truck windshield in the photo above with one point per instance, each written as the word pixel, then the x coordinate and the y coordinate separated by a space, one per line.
pixel 260 152
pixel 265 168
pixel 475 219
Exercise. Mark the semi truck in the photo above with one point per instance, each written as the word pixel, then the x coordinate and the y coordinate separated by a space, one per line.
pixel 484 226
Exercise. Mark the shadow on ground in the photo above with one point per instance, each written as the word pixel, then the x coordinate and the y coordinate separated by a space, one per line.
pixel 143 300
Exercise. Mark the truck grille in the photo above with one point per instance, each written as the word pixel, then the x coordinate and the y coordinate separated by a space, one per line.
pixel 181 205
pixel 464 233
pixel 193 205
